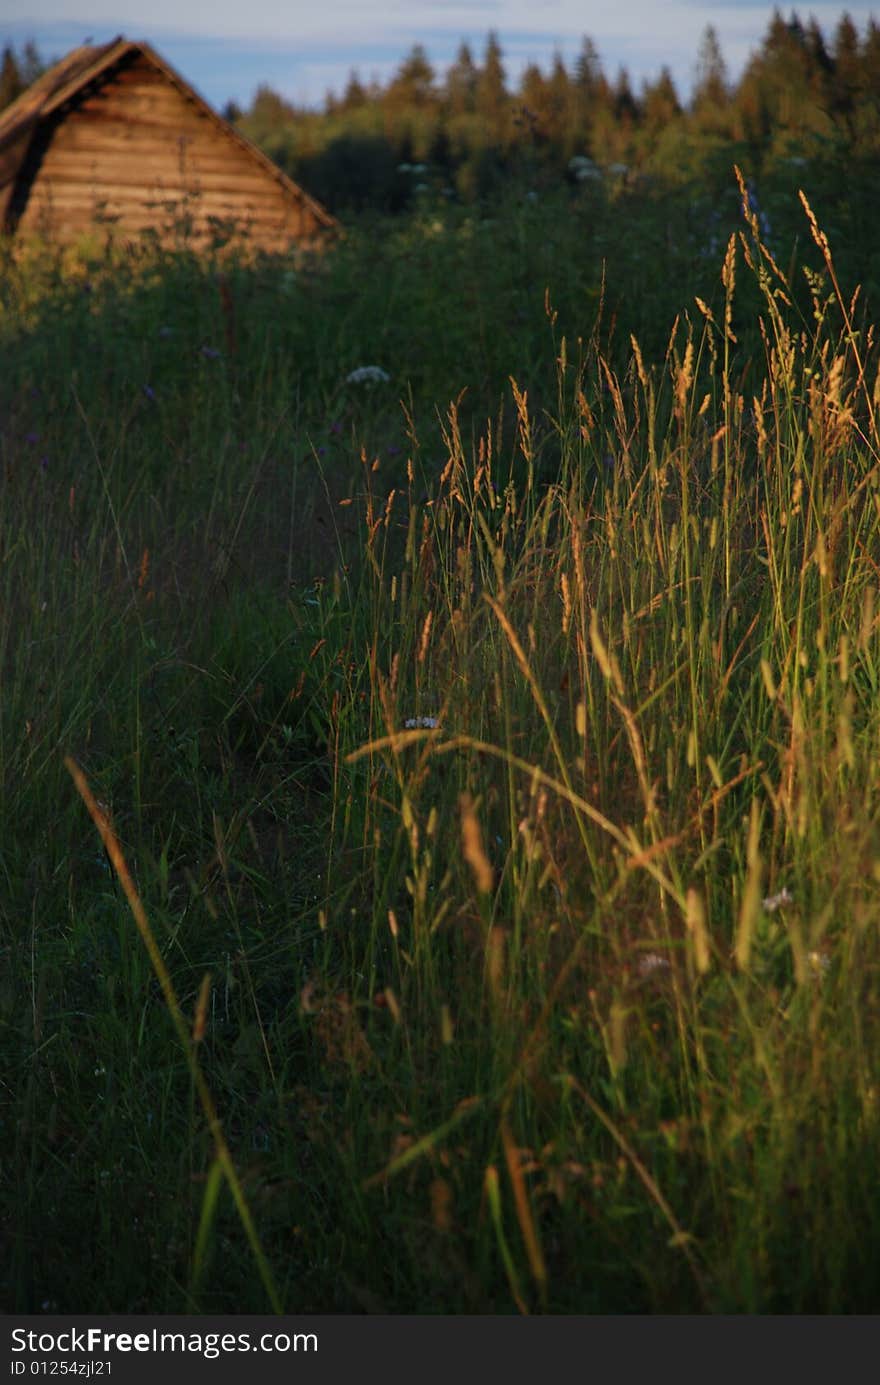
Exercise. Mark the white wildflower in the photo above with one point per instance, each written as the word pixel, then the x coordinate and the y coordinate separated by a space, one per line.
pixel 582 168
pixel 778 901
pixel 422 724
pixel 650 963
pixel 618 170
pixel 367 374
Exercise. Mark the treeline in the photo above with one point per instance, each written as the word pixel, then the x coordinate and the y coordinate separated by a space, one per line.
pixel 18 71
pixel 465 132
pixel 802 95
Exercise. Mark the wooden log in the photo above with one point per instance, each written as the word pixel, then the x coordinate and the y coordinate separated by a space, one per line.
pixel 62 211
pixel 124 141
pixel 153 178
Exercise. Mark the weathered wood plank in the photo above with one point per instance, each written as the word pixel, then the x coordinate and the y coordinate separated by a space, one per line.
pixel 68 204
pixel 58 219
pixel 150 176
pixel 77 140
pixel 71 228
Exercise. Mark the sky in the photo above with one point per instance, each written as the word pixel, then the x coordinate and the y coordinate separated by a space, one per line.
pixel 304 48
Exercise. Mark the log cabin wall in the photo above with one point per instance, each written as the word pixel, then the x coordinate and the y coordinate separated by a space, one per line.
pixel 132 152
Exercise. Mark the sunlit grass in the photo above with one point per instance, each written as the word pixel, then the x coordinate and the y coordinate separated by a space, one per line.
pixel 515 783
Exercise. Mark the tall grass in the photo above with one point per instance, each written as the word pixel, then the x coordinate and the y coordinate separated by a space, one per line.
pixel 529 832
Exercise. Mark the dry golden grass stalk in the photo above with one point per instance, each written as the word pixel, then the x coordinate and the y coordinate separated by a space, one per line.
pixel 681 1239
pixel 751 900
pixel 492 1189
pixel 524 1216
pixel 224 1158
pixel 200 1021
pixel 472 846
pixel 695 918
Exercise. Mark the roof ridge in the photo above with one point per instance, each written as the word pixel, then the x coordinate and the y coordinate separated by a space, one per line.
pixel 26 109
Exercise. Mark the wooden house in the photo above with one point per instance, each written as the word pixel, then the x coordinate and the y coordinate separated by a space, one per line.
pixel 112 139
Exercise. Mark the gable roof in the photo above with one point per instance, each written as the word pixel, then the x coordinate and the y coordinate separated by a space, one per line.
pixel 78 70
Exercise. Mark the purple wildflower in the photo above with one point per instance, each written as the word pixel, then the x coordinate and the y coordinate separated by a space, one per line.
pixel 150 393
pixel 210 353
pixel 31 438
pixel 756 210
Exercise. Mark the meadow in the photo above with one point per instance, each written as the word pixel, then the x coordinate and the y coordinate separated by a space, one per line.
pixel 440 843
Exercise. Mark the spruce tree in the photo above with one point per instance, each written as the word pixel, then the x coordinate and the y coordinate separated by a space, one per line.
pixel 11 83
